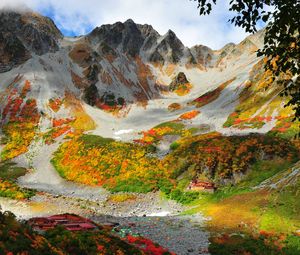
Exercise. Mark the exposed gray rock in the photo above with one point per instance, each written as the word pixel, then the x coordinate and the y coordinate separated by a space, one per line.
pixel 22 34
pixel 202 55
pixel 127 35
pixel 180 79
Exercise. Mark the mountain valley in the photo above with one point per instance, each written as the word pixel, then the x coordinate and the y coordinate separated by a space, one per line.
pixel 119 125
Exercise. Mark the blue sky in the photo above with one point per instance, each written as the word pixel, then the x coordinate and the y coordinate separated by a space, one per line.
pixel 76 17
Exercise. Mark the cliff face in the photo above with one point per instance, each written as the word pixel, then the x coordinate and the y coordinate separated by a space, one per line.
pixel 24 34
pixel 128 61
pixel 132 73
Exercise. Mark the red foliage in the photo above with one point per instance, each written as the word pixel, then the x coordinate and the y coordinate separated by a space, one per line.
pixel 151 132
pixel 282 130
pixel 55 104
pixel 14 103
pixel 60 122
pixel 105 107
pixel 100 247
pixel 26 88
pixel 147 245
pixel 212 149
pixel 60 131
pixel 268 118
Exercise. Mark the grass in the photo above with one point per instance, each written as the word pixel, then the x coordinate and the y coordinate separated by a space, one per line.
pixel 55 162
pixel 176 126
pixel 239 214
pixel 9 171
pixel 94 140
pixel 183 197
pixel 174 145
pixel 283 210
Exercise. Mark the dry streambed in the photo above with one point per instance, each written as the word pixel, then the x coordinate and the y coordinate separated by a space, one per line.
pixel 180 234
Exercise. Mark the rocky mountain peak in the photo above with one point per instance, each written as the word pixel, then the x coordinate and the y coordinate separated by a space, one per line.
pixel 129 21
pixel 133 38
pixel 171 35
pixel 24 33
pixel 168 48
pixel 127 35
pixel 38 33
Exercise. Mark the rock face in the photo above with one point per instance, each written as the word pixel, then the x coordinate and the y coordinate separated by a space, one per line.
pixel 112 67
pixel 169 48
pixel 134 39
pixel 12 52
pixel 22 34
pixel 180 79
pixel 202 55
pixel 126 35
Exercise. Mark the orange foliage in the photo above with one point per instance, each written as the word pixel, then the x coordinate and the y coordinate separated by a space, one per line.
pixel 224 156
pixel 19 120
pixel 82 121
pixel 189 115
pixel 60 131
pixel 55 104
pixel 60 122
pixel 94 160
pixel 183 89
pixel 26 88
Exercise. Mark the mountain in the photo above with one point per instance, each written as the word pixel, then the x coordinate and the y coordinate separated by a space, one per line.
pixel 125 109
pixel 23 35
pixel 127 82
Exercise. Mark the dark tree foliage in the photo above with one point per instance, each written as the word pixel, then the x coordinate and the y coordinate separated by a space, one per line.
pixel 281 41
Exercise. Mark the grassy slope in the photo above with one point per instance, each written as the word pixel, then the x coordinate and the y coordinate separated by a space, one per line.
pixel 259 101
pixel 9 173
pixel 118 166
pixel 256 221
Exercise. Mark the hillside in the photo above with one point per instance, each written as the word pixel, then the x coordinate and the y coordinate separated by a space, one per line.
pixel 129 111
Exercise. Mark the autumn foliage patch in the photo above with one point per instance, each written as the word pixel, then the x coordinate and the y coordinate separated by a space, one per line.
pixel 20 119
pixel 189 115
pixel 118 166
pixel 221 157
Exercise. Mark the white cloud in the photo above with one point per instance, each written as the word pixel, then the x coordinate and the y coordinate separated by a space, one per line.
pixel 179 15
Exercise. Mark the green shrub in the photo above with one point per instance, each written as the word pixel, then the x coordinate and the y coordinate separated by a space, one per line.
pixel 9 171
pixel 174 145
pixel 292 245
pixel 95 140
pixel 184 197
pixel 165 186
pixel 172 124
